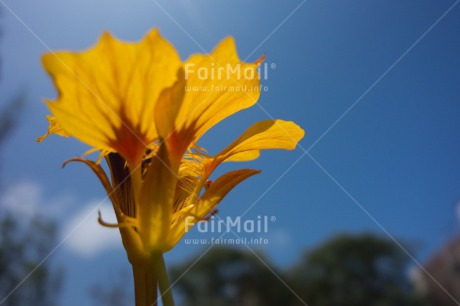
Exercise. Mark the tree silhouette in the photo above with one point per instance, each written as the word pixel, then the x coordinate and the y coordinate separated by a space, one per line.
pixel 22 247
pixel 227 277
pixel 355 270
pixel 361 270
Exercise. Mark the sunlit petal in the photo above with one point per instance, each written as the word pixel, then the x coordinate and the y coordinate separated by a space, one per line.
pixel 155 201
pixel 107 94
pixel 218 85
pixel 220 188
pixel 263 135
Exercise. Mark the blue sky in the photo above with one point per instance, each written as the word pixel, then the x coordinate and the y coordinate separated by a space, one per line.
pixel 375 84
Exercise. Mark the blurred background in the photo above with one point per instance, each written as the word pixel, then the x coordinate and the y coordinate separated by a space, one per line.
pixel 363 212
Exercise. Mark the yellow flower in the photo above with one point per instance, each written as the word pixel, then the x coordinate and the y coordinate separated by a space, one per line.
pixel 145 110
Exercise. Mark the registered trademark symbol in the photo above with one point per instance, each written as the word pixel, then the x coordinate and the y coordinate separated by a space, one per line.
pixel 273 66
pixel 272 218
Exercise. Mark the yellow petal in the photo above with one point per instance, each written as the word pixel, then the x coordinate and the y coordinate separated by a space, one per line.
pixel 168 105
pixel 107 94
pixel 268 134
pixel 166 111
pixel 53 128
pixel 218 86
pixel 243 156
pixel 155 201
pixel 210 199
pixel 220 188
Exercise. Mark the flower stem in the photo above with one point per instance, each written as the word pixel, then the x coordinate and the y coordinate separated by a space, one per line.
pixel 145 283
pixel 163 280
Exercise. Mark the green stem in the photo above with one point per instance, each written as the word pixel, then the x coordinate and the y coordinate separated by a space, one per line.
pixel 145 283
pixel 163 280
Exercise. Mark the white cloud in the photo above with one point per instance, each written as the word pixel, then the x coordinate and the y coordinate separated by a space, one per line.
pixel 22 198
pixel 25 199
pixel 85 236
pixel 82 233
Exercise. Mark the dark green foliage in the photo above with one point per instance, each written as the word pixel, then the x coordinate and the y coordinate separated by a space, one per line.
pixel 365 270
pixel 355 270
pixel 225 277
pixel 24 278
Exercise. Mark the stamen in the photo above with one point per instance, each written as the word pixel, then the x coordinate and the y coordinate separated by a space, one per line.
pixel 102 154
